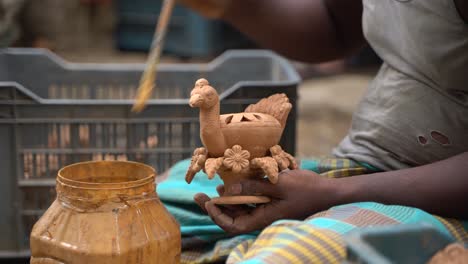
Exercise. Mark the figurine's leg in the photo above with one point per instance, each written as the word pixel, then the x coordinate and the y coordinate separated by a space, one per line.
pixel 282 163
pixel 196 164
pixel 292 161
pixel 269 167
pixel 212 165
pixel 284 159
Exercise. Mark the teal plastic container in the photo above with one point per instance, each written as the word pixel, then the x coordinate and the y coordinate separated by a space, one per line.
pixel 412 244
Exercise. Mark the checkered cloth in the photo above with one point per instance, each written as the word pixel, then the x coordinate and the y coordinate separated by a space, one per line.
pixel 317 239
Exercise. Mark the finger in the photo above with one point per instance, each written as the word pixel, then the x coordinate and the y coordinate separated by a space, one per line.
pixel 235 210
pixel 227 221
pixel 254 187
pixel 220 189
pixel 201 199
pixel 232 210
pixel 292 162
pixel 246 222
pixel 220 218
pixel 260 217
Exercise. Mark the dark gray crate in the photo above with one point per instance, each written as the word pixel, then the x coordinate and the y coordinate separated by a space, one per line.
pixel 53 113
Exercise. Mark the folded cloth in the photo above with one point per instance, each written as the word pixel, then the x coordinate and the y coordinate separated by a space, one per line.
pixel 317 239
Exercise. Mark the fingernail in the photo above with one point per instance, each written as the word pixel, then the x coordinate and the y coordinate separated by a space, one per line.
pixel 235 188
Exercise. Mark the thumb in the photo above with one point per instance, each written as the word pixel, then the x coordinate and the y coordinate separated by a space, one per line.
pixel 201 199
pixel 253 187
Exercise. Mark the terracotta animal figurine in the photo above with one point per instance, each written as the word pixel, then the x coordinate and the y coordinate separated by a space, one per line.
pixel 240 145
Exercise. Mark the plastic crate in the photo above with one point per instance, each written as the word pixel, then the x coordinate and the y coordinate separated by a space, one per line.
pixel 53 113
pixel 189 34
pixel 412 244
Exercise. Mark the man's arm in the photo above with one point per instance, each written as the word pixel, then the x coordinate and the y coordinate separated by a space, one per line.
pixel 306 30
pixel 439 188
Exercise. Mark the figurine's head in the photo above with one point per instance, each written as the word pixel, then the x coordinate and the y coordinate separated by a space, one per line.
pixel 203 95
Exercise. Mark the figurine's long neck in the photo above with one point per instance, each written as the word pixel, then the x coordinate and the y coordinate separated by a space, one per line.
pixel 210 131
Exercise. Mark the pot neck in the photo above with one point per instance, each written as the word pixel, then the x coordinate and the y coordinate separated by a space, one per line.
pixel 97 182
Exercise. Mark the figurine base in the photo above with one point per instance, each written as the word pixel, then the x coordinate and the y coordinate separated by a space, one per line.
pixel 241 200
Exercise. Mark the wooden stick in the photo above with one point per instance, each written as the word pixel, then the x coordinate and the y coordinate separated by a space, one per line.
pixel 148 79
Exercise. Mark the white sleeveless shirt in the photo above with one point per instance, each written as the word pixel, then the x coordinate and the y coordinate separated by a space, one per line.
pixel 416 110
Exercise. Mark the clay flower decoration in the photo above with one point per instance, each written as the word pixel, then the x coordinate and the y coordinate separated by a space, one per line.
pixel 236 159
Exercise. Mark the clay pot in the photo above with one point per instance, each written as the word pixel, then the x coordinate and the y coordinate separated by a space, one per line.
pixel 106 212
pixel 255 132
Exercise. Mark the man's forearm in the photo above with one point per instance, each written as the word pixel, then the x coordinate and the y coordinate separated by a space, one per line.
pixel 439 188
pixel 307 30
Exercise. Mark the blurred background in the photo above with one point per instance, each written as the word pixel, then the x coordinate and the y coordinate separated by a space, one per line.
pixel 39 138
pixel 120 31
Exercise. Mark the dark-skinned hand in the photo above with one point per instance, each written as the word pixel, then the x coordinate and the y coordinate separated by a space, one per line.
pixel 297 195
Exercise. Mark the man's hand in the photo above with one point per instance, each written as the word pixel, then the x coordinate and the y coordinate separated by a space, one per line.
pixel 439 188
pixel 208 8
pixel 297 195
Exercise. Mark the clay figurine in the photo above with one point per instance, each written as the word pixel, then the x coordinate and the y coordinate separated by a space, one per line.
pixel 240 145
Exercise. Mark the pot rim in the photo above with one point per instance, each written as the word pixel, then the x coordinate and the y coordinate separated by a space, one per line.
pixel 107 185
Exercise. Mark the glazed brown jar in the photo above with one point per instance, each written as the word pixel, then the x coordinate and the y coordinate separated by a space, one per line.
pixel 106 212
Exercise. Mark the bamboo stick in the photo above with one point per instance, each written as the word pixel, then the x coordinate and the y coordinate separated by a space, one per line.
pixel 148 79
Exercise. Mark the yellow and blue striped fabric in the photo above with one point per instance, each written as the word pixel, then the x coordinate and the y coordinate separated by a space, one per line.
pixel 317 239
